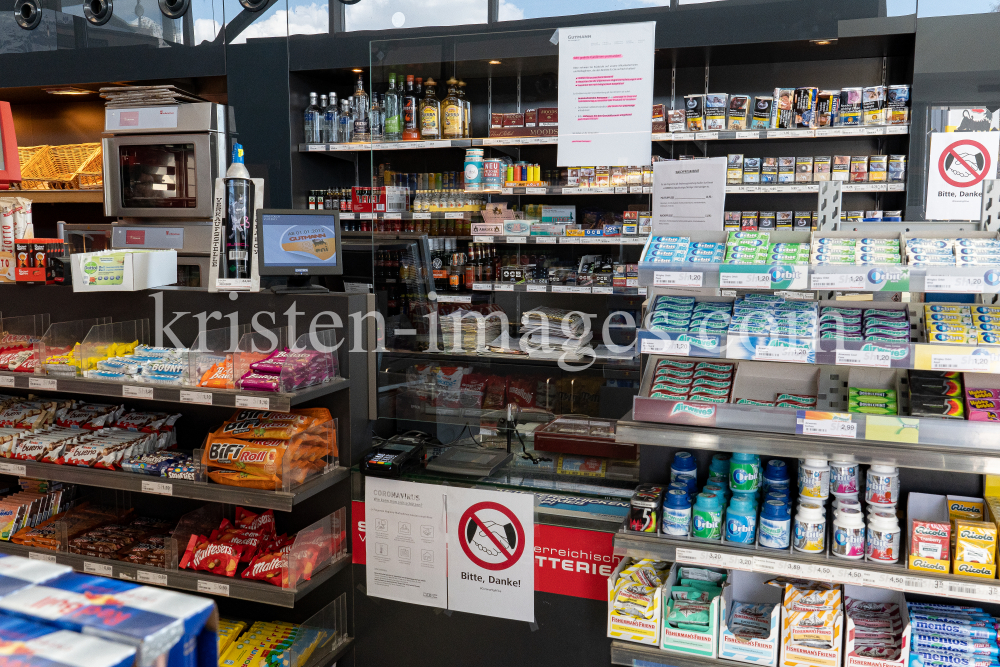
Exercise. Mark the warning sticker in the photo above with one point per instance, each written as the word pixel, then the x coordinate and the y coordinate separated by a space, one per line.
pixel 959 162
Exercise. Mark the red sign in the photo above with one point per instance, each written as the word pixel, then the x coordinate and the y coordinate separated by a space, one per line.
pixel 568 561
pixel 964 168
pixel 483 519
pixel 135 236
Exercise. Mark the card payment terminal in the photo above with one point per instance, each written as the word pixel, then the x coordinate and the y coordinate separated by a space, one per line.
pixel 392 459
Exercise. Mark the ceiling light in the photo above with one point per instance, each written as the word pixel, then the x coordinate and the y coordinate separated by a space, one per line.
pixel 494 62
pixel 822 42
pixel 67 91
pixel 357 71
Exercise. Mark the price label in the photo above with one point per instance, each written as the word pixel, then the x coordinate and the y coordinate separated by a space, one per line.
pixel 482 287
pixel 213 588
pixel 483 239
pixel 896 582
pixel 792 568
pixel 603 290
pixel 99 569
pixel 973 363
pixel 159 488
pixel 834 428
pixel 683 136
pixel 197 397
pixel 897 129
pixel 254 402
pixel 678 279
pixel 562 289
pixel 869 578
pixel 421 216
pixel 393 216
pixel 600 191
pixel 695 557
pixel 454 215
pixel 768 565
pixel 347 216
pixel 535 191
pixel 367 216
pixel 740 563
pixel 517 239
pixel 647 189
pixel 856 577
pixel 546 240
pixel 129 391
pixel 748 135
pixel 831 132
pixel 13 469
pixel 503 287
pixel 621 190
pixel 660 346
pixel 895 187
pixel 45 558
pixel 706 136
pixel 821 572
pixel 635 189
pixel 506 191
pixel 151 578
pixel 875 358
pixel 43 383
pixel 973 284
pixel 921 585
pixel 745 280
pixel 6 380
pixel 572 240
pixel 538 288
pixel 570 191
pixel 872 131
pixel 642 291
pixel 454 298
pixel 796 355
pixel 839 281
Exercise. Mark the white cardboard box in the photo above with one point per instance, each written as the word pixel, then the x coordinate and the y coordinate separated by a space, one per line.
pixel 630 628
pixel 750 587
pixel 687 642
pixel 869 594
pixel 123 270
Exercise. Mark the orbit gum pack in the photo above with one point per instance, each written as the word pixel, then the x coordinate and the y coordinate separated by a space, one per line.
pixel 154 620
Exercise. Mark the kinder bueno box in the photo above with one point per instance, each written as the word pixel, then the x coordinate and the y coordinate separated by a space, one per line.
pixel 17 573
pixel 28 644
pixel 156 621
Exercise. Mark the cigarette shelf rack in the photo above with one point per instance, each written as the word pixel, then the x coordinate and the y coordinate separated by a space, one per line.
pixel 821 567
pixel 280 500
pixel 184 580
pixel 222 398
pixel 732 135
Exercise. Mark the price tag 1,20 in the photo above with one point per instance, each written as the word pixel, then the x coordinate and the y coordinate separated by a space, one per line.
pixel 799 355
pixel 963 284
pixel 838 281
pixel 678 279
pixel 871 358
pixel 971 363
pixel 745 280
pixel 659 346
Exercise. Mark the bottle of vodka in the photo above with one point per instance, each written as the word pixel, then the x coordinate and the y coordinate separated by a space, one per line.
pixel 393 112
pixel 345 123
pixel 330 120
pixel 362 108
pixel 376 118
pixel 311 121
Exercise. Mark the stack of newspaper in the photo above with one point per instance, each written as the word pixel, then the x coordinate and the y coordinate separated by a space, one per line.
pixel 471 330
pixel 554 333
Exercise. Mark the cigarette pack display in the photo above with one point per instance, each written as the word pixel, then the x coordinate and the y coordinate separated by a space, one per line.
pixel 766 220
pixel 783 110
pixel 548 117
pixel 805 107
pixel 784 219
pixel 859 168
pixel 786 170
pixel 873 105
pixel 897 105
pixel 734 169
pixel 803 170
pixel 751 170
pixel 762 113
pixel 827 107
pixel 850 111
pixel 731 220
pixel 676 120
pixel 739 109
pixel 748 221
pixel 896 169
pixel 769 170
pixel 877 165
pixel 803 221
pixel 840 170
pixel 715 111
pixel 821 168
pixel 695 112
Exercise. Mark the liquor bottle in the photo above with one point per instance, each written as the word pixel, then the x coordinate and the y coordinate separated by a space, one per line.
pixel 467 111
pixel 411 112
pixel 375 121
pixel 321 114
pixel 430 113
pixel 418 87
pixel 455 274
pixel 239 210
pixel 345 123
pixel 393 112
pixel 452 112
pixel 311 122
pixel 362 108
pixel 329 134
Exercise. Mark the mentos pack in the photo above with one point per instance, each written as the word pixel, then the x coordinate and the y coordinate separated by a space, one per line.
pixel 155 620
pixel 28 644
pixel 17 573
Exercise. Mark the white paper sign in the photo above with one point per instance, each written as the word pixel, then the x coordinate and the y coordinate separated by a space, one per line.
pixel 491 553
pixel 689 194
pixel 405 542
pixel 606 74
pixel 958 164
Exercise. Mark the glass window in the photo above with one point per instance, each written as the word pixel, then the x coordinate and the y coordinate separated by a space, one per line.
pixel 516 10
pixel 928 8
pixel 389 14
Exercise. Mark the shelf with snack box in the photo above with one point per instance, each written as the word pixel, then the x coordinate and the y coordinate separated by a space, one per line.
pixel 243 557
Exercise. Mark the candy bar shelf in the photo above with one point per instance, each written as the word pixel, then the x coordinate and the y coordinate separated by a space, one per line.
pixel 282 501
pixel 820 567
pixel 946 444
pixel 641 655
pixel 184 580
pixel 731 135
pixel 223 398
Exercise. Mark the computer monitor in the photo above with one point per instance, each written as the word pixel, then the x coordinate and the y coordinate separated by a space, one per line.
pixel 299 244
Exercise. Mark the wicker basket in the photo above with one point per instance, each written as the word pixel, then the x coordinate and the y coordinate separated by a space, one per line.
pixel 27 153
pixel 90 176
pixel 57 167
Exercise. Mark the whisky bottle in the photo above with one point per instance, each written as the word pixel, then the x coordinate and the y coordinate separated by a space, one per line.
pixel 453 113
pixel 430 113
pixel 467 111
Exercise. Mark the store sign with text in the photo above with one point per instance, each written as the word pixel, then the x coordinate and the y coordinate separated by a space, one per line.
pixel 567 561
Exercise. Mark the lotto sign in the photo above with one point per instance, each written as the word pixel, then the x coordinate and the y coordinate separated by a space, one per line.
pixel 959 162
pixel 491 553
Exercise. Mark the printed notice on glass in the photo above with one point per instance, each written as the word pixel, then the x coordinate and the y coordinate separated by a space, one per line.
pixel 406 542
pixel 605 94
pixel 688 195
